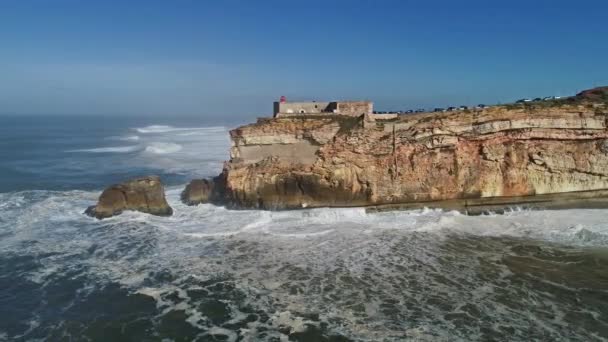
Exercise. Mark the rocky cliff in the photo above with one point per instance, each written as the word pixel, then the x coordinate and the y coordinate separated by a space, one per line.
pixel 503 151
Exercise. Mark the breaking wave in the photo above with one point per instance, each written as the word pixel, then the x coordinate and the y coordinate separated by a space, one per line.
pixel 167 129
pixel 118 149
pixel 129 138
pixel 260 275
pixel 162 148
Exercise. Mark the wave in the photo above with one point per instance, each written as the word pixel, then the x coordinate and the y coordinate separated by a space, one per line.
pixel 124 138
pixel 166 129
pixel 571 227
pixel 129 138
pixel 118 149
pixel 207 258
pixel 163 148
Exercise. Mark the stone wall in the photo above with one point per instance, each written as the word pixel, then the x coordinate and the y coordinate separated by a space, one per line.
pixel 388 116
pixel 355 108
pixel 301 107
pixel 351 108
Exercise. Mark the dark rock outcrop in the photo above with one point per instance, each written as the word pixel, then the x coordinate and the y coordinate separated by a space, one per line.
pixel 198 191
pixel 145 194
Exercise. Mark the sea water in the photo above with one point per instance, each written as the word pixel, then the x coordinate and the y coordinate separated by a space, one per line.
pixel 212 274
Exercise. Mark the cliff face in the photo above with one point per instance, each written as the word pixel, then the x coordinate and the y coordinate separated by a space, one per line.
pixel 338 161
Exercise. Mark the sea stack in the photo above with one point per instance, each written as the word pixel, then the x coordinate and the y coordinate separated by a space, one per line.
pixel 145 194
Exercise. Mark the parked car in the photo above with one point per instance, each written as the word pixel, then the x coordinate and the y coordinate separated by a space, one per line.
pixel 481 106
pixel 420 110
pixel 409 111
pixel 451 109
pixel 463 107
pixel 538 99
pixel 439 110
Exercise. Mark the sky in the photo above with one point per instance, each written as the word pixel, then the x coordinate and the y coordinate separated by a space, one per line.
pixel 233 58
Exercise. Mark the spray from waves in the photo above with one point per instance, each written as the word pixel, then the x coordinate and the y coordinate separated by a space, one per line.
pixel 579 227
pixel 167 129
pixel 118 149
pixel 163 148
pixel 422 274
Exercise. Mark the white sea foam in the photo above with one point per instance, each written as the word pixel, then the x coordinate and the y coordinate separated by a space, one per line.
pixel 129 138
pixel 343 263
pixel 163 147
pixel 117 149
pixel 124 138
pixel 196 152
pixel 169 129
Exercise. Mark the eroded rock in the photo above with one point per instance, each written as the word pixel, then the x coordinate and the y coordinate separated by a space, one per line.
pixel 495 152
pixel 198 191
pixel 145 194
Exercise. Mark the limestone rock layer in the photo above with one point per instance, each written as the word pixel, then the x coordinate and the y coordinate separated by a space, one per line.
pixel 344 161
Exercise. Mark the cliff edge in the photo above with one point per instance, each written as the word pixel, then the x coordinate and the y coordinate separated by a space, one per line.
pixel 517 151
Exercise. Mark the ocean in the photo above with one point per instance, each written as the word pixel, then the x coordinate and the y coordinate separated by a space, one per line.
pixel 212 274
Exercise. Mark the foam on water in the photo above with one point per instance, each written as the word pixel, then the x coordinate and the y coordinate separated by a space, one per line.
pixel 165 150
pixel 117 149
pixel 162 148
pixel 129 138
pixel 361 275
pixel 167 129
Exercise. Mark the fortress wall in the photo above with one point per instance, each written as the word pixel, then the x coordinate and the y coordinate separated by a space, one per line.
pixel 301 107
pixel 355 108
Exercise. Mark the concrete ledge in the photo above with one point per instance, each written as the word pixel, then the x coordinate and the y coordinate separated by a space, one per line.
pixel 594 199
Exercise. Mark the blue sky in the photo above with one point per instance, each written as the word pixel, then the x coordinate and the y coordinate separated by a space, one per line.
pixel 236 57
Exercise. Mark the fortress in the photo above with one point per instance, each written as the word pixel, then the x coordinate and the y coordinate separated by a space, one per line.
pixel 283 108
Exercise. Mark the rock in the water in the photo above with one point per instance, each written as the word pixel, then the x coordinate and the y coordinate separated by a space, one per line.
pixel 197 192
pixel 145 194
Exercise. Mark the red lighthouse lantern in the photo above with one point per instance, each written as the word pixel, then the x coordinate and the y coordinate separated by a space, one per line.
pixel 283 99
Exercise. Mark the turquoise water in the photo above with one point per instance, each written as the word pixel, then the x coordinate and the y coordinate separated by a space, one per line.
pixel 212 274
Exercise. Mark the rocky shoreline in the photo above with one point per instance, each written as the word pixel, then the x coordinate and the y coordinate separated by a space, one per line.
pixel 538 155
